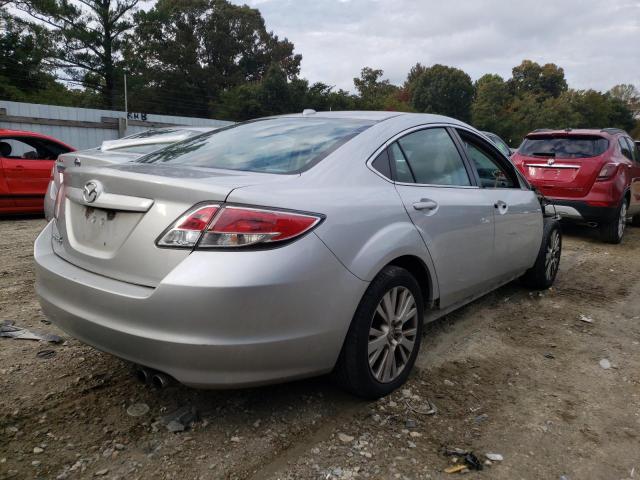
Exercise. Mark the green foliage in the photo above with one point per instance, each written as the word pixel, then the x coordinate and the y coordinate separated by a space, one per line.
pixel 186 56
pixel 443 90
pixel 373 91
pixel 541 80
pixel 88 39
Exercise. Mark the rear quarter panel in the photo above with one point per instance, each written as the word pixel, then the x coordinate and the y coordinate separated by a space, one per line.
pixel 366 225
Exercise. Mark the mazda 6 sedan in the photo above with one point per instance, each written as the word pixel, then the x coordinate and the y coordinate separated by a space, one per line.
pixel 289 247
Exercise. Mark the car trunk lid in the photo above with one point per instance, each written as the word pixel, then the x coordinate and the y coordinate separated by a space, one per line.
pixel 109 218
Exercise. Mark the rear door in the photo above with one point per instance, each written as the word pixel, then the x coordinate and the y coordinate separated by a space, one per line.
pixel 454 216
pixel 517 212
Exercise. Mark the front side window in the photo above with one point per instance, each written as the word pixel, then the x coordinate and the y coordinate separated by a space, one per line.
pixel 433 158
pixel 624 148
pixel 276 145
pixel 633 150
pixel 30 148
pixel 491 173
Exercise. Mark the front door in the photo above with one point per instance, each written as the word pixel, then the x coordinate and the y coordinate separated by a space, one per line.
pixel 516 210
pixel 633 154
pixel 454 216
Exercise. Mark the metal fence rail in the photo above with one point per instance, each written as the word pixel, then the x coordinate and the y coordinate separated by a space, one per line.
pixel 86 127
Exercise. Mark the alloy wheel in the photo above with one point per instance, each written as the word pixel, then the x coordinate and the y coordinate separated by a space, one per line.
pixel 552 260
pixel 392 334
pixel 622 221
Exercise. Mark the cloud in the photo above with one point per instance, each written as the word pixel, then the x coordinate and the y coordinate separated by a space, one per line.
pixel 595 42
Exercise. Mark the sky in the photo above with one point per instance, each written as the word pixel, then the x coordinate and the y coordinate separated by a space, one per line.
pixel 597 42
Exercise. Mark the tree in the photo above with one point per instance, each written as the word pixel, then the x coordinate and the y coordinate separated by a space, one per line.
pixel 184 56
pixel 490 105
pixel 413 75
pixel 88 39
pixel 443 90
pixel 372 90
pixel 543 80
pixel 629 95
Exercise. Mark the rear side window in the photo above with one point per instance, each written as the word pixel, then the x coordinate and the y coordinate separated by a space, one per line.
pixel 276 145
pixel 433 158
pixel 625 148
pixel 574 146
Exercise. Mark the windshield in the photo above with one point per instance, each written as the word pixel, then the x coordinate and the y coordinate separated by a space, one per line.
pixel 502 146
pixel 564 147
pixel 277 145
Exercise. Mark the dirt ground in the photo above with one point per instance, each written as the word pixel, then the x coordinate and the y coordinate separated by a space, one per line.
pixel 515 373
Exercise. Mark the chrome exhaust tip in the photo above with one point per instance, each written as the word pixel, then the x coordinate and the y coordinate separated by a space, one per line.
pixel 160 380
pixel 143 375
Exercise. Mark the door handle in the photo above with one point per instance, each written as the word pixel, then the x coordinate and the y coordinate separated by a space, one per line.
pixel 425 204
pixel 501 206
pixel 19 167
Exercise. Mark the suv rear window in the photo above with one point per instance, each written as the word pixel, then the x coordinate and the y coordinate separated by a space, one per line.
pixel 276 145
pixel 574 146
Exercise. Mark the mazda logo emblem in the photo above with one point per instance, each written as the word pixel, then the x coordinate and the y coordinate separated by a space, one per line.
pixel 90 191
pixel 551 161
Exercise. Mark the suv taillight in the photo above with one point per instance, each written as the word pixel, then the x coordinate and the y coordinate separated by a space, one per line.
pixel 220 226
pixel 607 171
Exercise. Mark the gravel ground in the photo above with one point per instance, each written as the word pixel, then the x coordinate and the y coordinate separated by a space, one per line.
pixel 516 373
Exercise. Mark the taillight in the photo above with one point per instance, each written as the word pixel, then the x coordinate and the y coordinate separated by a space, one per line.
pixel 215 226
pixel 187 230
pixel 607 171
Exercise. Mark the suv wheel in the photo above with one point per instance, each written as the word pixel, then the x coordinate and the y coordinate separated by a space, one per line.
pixel 544 271
pixel 384 337
pixel 612 232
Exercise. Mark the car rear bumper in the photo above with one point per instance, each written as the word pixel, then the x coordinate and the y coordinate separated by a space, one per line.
pixel 581 211
pixel 282 314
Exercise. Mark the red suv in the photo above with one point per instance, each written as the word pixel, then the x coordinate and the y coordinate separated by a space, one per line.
pixel 591 176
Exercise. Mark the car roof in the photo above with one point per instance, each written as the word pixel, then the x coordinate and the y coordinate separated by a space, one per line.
pixel 376 116
pixel 599 132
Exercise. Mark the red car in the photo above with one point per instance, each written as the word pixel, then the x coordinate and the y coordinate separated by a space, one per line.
pixel 592 176
pixel 26 162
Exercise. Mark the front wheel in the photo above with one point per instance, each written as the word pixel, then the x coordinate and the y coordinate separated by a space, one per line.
pixel 612 232
pixel 543 273
pixel 384 337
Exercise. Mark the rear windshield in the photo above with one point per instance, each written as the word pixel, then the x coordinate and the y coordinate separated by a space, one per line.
pixel 141 149
pixel 277 145
pixel 564 147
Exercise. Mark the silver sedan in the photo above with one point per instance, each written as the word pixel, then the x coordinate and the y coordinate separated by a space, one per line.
pixel 290 246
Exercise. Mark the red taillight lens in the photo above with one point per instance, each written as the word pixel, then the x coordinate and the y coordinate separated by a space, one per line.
pixel 215 226
pixel 186 231
pixel 240 226
pixel 607 171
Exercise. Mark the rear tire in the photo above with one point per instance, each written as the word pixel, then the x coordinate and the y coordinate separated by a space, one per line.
pixel 612 232
pixel 383 340
pixel 543 273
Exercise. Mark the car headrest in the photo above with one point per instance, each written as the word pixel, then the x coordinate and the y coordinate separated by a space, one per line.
pixel 5 149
